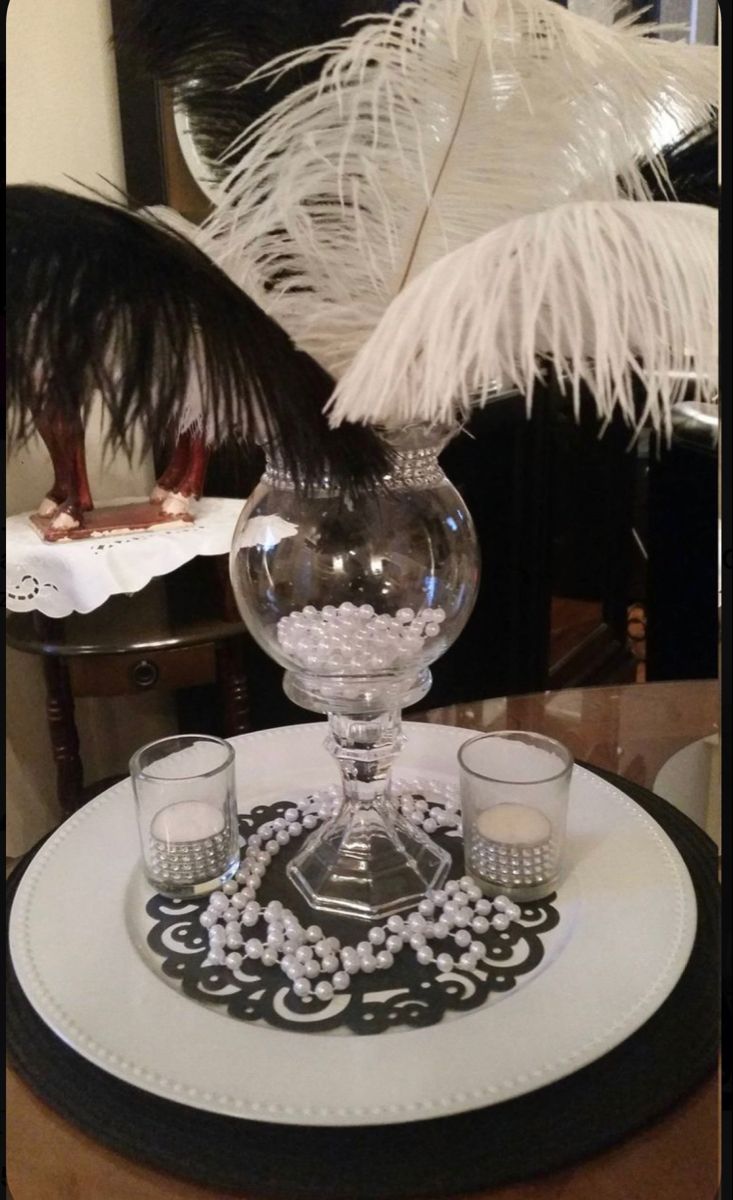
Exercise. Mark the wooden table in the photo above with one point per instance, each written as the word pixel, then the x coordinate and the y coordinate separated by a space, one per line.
pixel 132 645
pixel 632 730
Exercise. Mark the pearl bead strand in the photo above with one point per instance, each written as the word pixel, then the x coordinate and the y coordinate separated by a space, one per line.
pixel 318 966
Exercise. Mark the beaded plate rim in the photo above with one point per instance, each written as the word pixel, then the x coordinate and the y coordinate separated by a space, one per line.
pixel 449 1096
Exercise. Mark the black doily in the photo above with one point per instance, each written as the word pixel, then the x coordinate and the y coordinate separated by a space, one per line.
pixel 416 995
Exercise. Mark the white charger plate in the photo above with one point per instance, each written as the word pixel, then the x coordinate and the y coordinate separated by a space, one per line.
pixel 77 940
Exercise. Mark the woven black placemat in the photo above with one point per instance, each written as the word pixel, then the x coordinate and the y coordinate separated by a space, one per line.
pixel 530 1135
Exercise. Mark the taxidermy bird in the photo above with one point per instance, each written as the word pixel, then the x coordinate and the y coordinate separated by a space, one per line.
pixel 104 302
pixel 472 193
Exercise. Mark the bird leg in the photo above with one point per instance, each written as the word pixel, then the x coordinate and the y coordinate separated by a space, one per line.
pixel 70 495
pixel 183 478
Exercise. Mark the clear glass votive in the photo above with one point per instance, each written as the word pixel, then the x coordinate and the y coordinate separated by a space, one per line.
pixel 186 813
pixel 514 796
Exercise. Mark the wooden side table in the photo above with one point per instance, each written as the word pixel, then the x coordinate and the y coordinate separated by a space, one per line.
pixel 132 644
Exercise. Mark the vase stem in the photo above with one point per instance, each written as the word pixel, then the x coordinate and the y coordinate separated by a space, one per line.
pixel 365 749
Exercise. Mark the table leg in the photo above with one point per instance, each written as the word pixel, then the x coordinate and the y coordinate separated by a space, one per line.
pixel 64 736
pixel 232 681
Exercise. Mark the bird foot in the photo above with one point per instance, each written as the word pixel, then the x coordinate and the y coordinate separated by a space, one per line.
pixel 47 507
pixel 175 504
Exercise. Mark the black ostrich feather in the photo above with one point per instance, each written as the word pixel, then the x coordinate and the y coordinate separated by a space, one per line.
pixel 692 167
pixel 102 301
pixel 203 49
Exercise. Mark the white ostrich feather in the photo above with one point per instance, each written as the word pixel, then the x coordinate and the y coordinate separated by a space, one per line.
pixel 427 130
pixel 609 291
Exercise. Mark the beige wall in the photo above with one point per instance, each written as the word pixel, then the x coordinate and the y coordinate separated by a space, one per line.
pixel 63 125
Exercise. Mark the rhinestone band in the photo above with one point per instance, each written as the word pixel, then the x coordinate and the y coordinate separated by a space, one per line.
pixel 412 469
pixel 509 865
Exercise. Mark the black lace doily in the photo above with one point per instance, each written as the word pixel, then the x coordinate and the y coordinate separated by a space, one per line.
pixel 406 995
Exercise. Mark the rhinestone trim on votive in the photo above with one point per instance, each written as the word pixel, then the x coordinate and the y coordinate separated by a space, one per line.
pixel 181 863
pixel 512 865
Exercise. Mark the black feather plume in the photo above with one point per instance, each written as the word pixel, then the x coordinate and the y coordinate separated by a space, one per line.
pixel 203 49
pixel 100 300
pixel 691 165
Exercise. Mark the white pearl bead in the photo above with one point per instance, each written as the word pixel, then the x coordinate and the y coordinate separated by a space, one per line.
pixel 395 924
pixel 462 937
pixel 218 901
pixel 324 990
pixel 253 948
pixel 501 903
pixel 467 960
pixel 416 922
pixel 441 929
pixel 234 941
pixel 340 981
pixel 268 958
pixel 231 888
pixel 312 969
pixel 444 962
pixel 425 955
pixel 295 971
pixel 500 921
pixel 426 908
pixel 282 837
pixel 480 925
pixel 352 966
pixel 363 948
pixel 417 940
pixel 429 825
pixel 439 897
pixel 478 949
pixel 216 956
pixel 514 912
pixel 483 907
pixel 303 954
pixel 233 961
pixel 394 943
pixel 329 963
pixel 207 919
pixel 377 936
pixel 314 933
pixel 367 964
pixel 384 959
pixel 302 988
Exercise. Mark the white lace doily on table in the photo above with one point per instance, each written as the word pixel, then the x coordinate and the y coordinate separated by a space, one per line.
pixel 60 578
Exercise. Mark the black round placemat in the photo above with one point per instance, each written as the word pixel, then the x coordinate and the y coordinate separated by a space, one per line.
pixel 530 1135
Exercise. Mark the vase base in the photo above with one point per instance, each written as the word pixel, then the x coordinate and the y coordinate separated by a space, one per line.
pixel 368 871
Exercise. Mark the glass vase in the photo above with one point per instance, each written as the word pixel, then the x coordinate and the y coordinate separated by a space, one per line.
pixel 355 597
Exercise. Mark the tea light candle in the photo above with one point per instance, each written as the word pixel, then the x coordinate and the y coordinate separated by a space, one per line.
pixel 511 846
pixel 187 821
pixel 514 824
pixel 189 843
